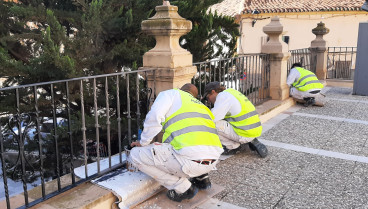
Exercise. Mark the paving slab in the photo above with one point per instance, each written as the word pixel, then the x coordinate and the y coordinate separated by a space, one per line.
pixel 161 201
pixel 312 163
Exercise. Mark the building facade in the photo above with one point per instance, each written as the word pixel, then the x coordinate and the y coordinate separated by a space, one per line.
pixel 298 19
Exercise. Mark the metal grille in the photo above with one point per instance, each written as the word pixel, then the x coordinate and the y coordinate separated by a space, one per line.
pixel 68 131
pixel 306 57
pixel 341 62
pixel 249 74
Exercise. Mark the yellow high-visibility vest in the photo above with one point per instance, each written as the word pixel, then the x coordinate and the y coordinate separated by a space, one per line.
pixel 191 125
pixel 307 80
pixel 247 122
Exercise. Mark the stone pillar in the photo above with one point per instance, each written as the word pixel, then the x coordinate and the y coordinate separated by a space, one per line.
pixel 173 64
pixel 319 46
pixel 279 56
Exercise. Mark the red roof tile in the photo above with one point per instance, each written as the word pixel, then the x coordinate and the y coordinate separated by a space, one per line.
pixel 234 7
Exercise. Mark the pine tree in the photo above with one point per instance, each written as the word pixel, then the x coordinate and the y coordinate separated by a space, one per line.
pixel 213 35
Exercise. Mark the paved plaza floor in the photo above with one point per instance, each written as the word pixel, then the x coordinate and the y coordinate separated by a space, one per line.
pixel 318 158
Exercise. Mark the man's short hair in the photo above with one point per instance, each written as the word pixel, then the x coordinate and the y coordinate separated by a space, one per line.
pixel 296 65
pixel 212 86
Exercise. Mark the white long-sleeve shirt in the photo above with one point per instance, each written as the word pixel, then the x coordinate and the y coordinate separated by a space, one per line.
pixel 226 104
pixel 167 103
pixel 293 76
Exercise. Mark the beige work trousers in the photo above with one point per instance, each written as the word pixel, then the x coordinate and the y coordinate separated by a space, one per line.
pixel 228 137
pixel 161 162
pixel 299 95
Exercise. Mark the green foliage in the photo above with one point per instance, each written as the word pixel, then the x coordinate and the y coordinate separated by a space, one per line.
pixel 43 40
pixel 212 35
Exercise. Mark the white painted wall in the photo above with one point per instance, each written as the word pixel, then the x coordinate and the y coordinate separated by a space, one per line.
pixel 343 30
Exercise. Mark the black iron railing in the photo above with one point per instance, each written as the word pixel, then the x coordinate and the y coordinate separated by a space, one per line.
pixel 307 57
pixel 249 74
pixel 341 62
pixel 67 131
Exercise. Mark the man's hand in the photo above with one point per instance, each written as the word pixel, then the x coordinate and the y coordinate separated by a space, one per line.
pixel 135 144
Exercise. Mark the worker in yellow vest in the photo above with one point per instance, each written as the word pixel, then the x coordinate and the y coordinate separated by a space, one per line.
pixel 236 119
pixel 304 86
pixel 190 146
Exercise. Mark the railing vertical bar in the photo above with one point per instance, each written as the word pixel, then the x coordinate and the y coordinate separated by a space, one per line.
pixel 5 180
pixel 351 62
pixel 83 130
pixel 154 84
pixel 39 141
pixel 237 83
pixel 108 120
pixel 70 132
pixel 333 62
pixel 118 117
pixel 253 84
pixel 269 75
pixel 346 71
pixel 227 69
pixel 200 79
pixel 257 78
pixel 138 106
pixel 21 148
pixel 247 79
pixel 220 71
pixel 146 87
pixel 128 107
pixel 328 58
pixel 232 73
pixel 209 72
pixel 244 75
pixel 261 66
pixel 55 137
pixel 205 73
pixel 214 71
pixel 253 79
pixel 97 126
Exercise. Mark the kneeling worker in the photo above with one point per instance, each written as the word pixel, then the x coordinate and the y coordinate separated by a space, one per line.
pixel 236 119
pixel 304 86
pixel 190 148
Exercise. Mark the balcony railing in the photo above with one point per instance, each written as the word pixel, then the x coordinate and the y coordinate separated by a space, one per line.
pixel 307 57
pixel 341 62
pixel 67 132
pixel 249 74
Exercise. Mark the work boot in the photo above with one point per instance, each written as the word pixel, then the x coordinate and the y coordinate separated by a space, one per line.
pixel 309 101
pixel 189 194
pixel 260 148
pixel 202 182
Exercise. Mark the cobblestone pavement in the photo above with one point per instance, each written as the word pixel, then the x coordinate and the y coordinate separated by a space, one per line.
pixel 318 158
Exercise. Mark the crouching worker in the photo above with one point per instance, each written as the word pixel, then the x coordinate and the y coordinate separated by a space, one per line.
pixel 304 86
pixel 236 119
pixel 190 148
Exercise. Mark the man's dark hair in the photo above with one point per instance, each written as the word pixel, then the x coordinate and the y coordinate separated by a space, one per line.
pixel 213 86
pixel 296 65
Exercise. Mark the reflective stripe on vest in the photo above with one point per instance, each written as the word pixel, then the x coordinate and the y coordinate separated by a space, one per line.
pixel 191 125
pixel 307 80
pixel 247 122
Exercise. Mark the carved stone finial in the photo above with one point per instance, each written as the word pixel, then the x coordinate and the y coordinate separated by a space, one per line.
pixel 165 3
pixel 274 30
pixel 167 26
pixel 320 29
